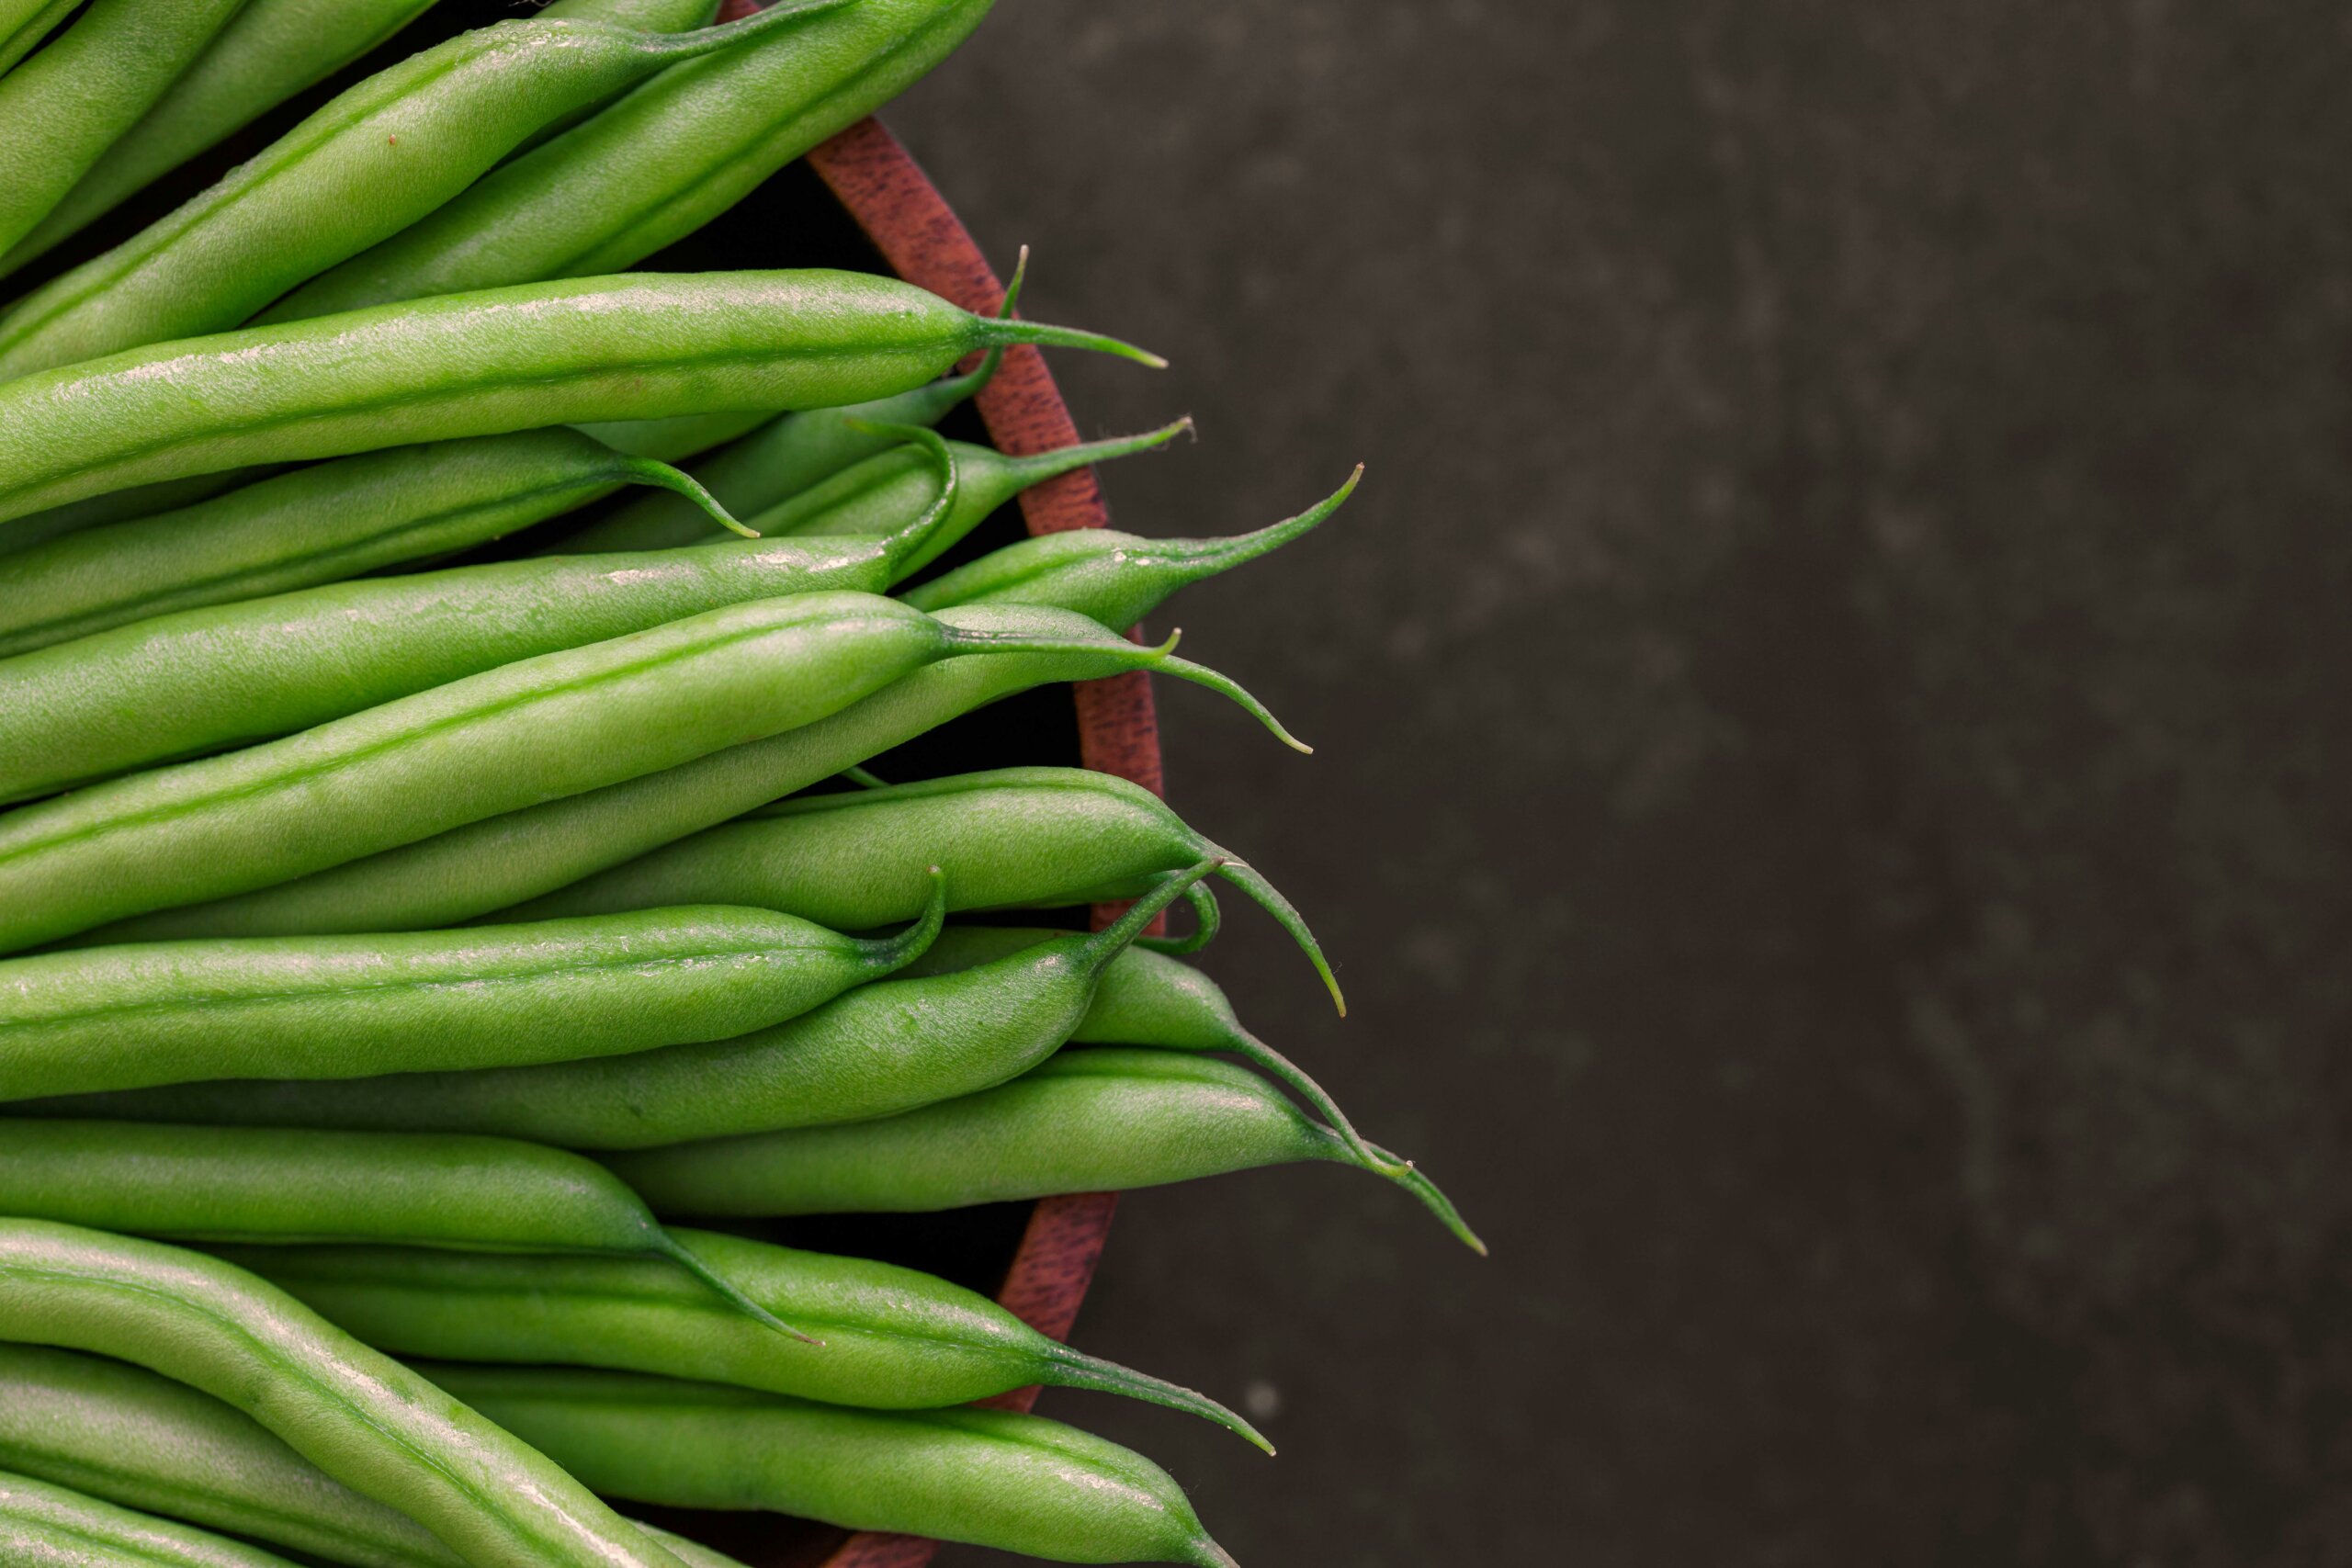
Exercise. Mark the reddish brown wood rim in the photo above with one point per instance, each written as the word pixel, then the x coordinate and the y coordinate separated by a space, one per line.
pixel 924 242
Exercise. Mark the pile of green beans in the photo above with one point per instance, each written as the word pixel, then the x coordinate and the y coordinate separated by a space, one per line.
pixel 430 876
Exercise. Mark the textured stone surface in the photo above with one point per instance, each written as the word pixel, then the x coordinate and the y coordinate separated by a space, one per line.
pixel 1833 709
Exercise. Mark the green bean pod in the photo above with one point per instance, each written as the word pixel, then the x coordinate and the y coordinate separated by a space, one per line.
pixel 287 1187
pixel 1011 838
pixel 643 347
pixel 1094 1119
pixel 63 108
pixel 658 164
pixel 334 1007
pixel 527 732
pixel 318 524
pixel 891 1338
pixel 779 459
pixel 120 1432
pixel 1116 579
pixel 24 23
pixel 43 1526
pixel 381 156
pixel 501 861
pixel 181 685
pixel 121 506
pixel 273 50
pixel 881 1049
pixel 360 1416
pixel 987 1477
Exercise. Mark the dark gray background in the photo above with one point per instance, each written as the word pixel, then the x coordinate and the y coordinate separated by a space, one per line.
pixel 1831 797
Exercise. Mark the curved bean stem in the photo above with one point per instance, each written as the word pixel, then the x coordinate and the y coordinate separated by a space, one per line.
pixel 1116 579
pixel 362 1418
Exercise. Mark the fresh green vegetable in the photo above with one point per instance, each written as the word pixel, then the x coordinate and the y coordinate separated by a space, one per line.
pixel 644 346
pixel 43 1526
pixel 338 1006
pixel 501 861
pixel 1085 1121
pixel 889 1339
pixel 360 1416
pixel 989 1477
pixel 657 165
pixel 527 732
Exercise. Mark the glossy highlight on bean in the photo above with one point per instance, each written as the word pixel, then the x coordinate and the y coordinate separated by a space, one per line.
pixel 1097 1119
pixel 988 1477
pixel 645 346
pixel 144 1014
pixel 892 1339
pixel 360 1416
pixel 1011 838
pixel 492 864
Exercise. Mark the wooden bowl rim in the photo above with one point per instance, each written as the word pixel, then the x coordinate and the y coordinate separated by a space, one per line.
pixel 920 238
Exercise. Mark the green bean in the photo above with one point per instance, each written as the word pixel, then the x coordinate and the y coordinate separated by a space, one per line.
pixel 68 104
pixel 892 1339
pixel 1098 1119
pixel 501 861
pixel 988 1477
pixel 24 23
pixel 379 156
pixel 291 1186
pixel 125 1434
pixel 1147 998
pixel 360 1416
pixel 881 1049
pixel 1116 579
pixel 1012 838
pixel 643 346
pixel 653 16
pixel 181 685
pixel 273 50
pixel 317 524
pixel 42 1526
pixel 781 458
pixel 122 1432
pixel 336 1007
pixel 120 506
pixel 658 164
pixel 527 732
